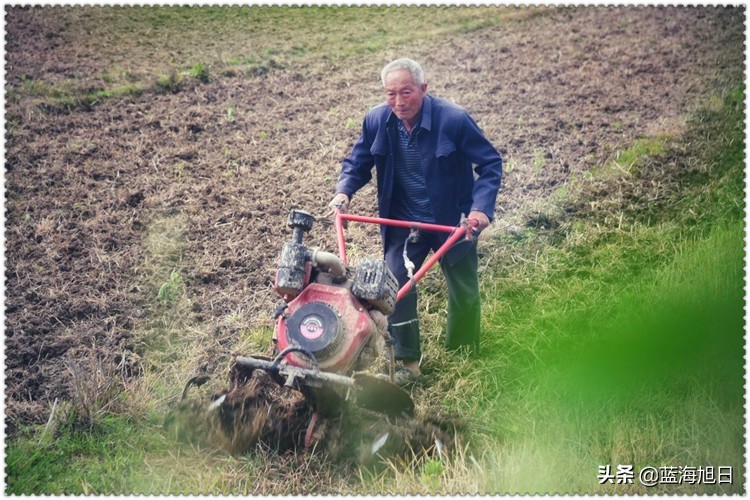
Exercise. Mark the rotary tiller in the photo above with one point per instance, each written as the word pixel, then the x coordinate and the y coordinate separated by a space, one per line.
pixel 332 323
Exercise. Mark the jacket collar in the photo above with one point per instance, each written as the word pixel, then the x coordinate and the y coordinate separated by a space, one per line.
pixel 425 122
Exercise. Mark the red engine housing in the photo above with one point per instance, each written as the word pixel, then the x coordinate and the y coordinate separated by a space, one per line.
pixel 329 322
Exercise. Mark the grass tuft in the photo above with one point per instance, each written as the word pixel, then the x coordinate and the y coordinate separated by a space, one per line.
pixel 199 71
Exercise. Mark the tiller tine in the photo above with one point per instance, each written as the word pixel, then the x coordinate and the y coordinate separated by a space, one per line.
pixel 371 392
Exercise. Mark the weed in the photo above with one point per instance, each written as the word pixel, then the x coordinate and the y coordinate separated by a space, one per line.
pixel 106 77
pixel 432 470
pixel 231 114
pixel 172 288
pixel 96 391
pixel 199 71
pixel 169 83
pixel 539 160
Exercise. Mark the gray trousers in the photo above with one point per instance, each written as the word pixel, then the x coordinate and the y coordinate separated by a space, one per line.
pixel 459 266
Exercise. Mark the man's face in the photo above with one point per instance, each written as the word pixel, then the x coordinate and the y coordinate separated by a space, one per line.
pixel 403 96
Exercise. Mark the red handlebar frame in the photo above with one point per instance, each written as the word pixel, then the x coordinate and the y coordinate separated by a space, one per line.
pixel 458 232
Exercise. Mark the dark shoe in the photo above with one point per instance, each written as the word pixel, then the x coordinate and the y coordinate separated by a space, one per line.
pixel 404 377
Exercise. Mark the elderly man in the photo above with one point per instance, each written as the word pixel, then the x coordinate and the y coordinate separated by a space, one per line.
pixel 426 152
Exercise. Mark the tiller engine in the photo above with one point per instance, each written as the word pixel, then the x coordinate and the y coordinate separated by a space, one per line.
pixel 331 326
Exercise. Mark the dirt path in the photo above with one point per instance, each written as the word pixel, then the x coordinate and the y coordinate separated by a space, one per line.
pixel 557 93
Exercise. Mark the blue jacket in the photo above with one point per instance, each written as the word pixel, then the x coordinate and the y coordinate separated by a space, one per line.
pixel 450 143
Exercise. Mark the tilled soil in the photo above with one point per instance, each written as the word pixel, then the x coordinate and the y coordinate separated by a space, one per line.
pixel 257 411
pixel 557 93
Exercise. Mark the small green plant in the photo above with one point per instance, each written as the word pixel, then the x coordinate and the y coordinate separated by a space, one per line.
pixel 168 83
pixel 432 470
pixel 538 162
pixel 107 77
pixel 231 114
pixel 200 72
pixel 170 290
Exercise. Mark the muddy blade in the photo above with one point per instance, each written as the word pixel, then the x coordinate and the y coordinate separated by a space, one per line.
pixel 382 396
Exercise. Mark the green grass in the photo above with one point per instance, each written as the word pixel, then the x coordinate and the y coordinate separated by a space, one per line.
pixel 627 345
pixel 83 462
pixel 643 371
pixel 624 161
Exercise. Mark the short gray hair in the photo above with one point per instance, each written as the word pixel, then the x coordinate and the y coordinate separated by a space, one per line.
pixel 413 67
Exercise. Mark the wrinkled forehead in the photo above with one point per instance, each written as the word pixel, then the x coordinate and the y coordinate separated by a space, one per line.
pixel 398 79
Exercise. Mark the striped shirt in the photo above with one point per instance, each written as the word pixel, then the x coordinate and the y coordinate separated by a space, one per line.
pixel 410 199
